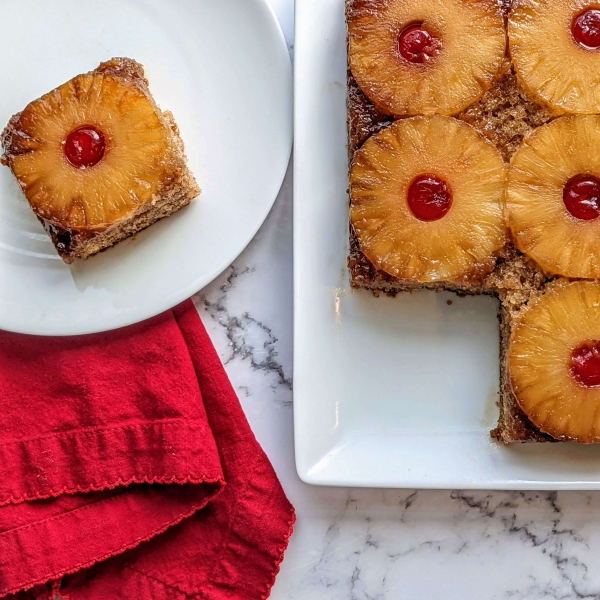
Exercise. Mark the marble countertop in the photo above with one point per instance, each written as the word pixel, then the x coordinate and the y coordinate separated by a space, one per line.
pixel 356 544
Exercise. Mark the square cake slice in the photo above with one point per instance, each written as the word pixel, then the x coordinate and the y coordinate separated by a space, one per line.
pixel 98 160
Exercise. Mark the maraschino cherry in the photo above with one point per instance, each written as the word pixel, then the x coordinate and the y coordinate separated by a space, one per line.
pixel 586 29
pixel 85 147
pixel 585 364
pixel 429 197
pixel 417 45
pixel 581 196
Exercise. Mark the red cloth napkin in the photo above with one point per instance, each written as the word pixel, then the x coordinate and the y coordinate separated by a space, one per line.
pixel 128 470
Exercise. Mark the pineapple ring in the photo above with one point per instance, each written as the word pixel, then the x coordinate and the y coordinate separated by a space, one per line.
pixel 548 59
pixel 459 246
pixel 134 166
pixel 540 223
pixel 473 46
pixel 539 359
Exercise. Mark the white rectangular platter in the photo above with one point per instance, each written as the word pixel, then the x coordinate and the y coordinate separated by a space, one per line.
pixel 389 392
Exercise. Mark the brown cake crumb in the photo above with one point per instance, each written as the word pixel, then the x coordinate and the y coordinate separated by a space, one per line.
pixel 506 113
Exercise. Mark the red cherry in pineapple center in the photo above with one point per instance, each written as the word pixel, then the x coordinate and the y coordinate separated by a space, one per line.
pixel 85 147
pixel 417 45
pixel 585 364
pixel 581 196
pixel 429 197
pixel 586 29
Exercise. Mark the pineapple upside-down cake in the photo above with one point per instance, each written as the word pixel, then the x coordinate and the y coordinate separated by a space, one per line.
pixel 98 160
pixel 474 138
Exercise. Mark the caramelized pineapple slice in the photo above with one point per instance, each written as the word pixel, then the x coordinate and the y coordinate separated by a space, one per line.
pixel 92 152
pixel 554 197
pixel 554 361
pixel 427 200
pixel 431 56
pixel 554 46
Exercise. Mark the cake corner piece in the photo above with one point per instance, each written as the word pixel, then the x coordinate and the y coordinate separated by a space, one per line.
pixel 98 160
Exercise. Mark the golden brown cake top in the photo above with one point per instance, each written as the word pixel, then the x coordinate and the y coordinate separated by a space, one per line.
pixel 94 151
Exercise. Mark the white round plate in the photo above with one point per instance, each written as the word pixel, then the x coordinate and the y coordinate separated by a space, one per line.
pixel 222 67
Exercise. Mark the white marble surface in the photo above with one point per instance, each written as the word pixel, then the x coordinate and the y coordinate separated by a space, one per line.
pixel 372 544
